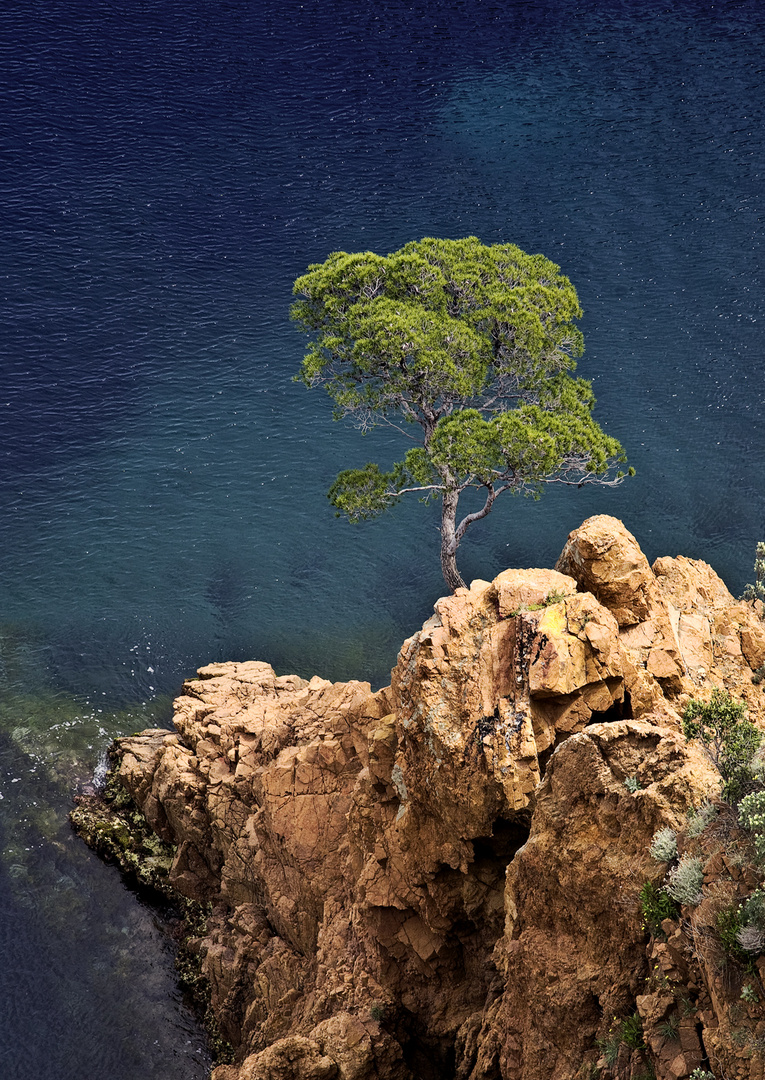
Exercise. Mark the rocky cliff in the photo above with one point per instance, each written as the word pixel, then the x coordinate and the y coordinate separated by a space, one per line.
pixel 441 879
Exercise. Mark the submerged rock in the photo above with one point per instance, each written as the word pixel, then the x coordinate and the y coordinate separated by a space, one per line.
pixel 441 879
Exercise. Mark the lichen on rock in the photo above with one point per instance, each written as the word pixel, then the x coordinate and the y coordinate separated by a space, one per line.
pixel 441 879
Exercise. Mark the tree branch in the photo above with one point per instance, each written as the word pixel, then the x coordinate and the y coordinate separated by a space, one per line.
pixel 409 490
pixel 492 496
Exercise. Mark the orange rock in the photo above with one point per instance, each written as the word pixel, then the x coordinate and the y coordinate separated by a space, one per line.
pixel 442 878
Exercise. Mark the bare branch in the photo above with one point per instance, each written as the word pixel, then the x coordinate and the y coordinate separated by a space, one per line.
pixel 409 490
pixel 588 478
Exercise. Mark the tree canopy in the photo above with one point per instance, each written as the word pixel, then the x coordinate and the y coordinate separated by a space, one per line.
pixel 468 350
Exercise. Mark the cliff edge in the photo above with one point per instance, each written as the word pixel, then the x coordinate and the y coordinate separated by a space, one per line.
pixel 442 879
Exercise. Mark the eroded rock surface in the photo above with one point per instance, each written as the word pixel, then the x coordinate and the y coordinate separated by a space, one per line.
pixel 441 879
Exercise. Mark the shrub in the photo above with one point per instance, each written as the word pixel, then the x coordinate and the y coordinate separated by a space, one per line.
pixel 664 845
pixel 609 1048
pixel 699 819
pixel 750 916
pixel 749 994
pixel 632 784
pixel 751 814
pixel 629 1031
pixel 729 740
pixel 701 1074
pixel 668 1028
pixel 684 881
pixel 656 906
pixel 751 940
pixel 757 590
pixel 728 923
pixel 752 910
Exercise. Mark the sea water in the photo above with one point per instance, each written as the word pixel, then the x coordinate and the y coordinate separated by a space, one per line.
pixel 168 169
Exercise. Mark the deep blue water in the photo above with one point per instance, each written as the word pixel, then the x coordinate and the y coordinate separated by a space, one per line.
pixel 166 170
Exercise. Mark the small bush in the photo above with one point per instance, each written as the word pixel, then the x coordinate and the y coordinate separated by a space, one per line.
pixel 751 814
pixel 684 881
pixel 656 906
pixel 668 1028
pixel 728 738
pixel 749 994
pixel 701 1074
pixel 632 784
pixel 629 1031
pixel 632 1031
pixel 752 910
pixel 757 590
pixel 750 924
pixel 664 845
pixel 728 923
pixel 699 819
pixel 751 940
pixel 609 1048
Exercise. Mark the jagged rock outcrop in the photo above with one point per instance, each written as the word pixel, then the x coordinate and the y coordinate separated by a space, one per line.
pixel 441 879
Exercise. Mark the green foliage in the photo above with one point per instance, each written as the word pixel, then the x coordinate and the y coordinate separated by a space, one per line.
pixel 749 994
pixel 656 905
pixel 757 590
pixel 730 740
pixel 701 1074
pixel 474 344
pixel 751 813
pixel 632 1031
pixel 668 1028
pixel 750 916
pixel 551 598
pixel 361 494
pixel 728 923
pixel 664 845
pixel 753 910
pixel 628 1030
pixel 632 784
pixel 609 1048
pixel 684 881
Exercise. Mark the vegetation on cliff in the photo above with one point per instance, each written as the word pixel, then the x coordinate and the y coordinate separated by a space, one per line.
pixel 707 919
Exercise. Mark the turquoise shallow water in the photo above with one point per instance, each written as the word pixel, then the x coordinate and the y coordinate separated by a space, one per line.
pixel 168 170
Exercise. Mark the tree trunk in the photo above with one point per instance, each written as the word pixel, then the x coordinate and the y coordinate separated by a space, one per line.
pixel 449 542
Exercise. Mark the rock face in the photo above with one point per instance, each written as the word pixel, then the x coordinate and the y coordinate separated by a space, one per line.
pixel 441 879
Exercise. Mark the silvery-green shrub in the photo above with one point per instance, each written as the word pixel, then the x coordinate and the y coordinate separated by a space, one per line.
pixel 684 881
pixel 664 845
pixel 699 819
